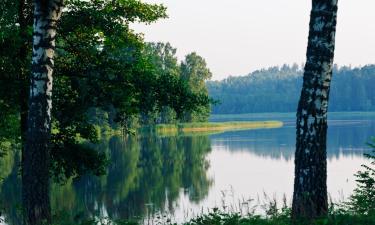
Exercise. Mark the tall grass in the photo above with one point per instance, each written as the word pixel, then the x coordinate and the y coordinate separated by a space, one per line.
pixel 183 128
pixel 242 212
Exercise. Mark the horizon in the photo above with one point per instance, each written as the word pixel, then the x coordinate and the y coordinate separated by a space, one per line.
pixel 254 35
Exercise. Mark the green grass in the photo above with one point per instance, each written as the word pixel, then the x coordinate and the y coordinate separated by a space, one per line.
pixel 282 219
pixel 220 218
pixel 209 128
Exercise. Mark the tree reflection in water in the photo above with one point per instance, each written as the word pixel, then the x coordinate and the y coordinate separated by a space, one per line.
pixel 146 174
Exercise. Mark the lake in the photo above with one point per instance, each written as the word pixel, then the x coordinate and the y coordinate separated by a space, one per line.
pixel 182 176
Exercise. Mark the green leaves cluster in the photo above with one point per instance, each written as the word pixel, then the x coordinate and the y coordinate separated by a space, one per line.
pixel 363 199
pixel 176 90
pixel 101 66
pixel 194 70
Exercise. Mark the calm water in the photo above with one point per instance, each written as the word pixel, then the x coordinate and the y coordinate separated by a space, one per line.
pixel 186 175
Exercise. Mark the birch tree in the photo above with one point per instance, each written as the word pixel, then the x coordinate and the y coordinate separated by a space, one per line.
pixel 310 183
pixel 35 171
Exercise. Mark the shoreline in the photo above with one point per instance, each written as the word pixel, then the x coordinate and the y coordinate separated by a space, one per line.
pixel 214 127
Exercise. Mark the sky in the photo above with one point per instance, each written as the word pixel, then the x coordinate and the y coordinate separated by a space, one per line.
pixel 237 37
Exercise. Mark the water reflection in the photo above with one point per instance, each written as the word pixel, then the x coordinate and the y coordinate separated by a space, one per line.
pixel 146 174
pixel 177 174
pixel 10 188
pixel 346 137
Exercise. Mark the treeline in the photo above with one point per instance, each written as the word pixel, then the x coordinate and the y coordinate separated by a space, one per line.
pixel 277 89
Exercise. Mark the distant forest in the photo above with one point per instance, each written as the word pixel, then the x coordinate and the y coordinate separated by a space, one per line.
pixel 277 89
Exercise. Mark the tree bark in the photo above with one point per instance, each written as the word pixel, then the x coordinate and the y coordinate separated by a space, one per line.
pixel 35 171
pixel 310 183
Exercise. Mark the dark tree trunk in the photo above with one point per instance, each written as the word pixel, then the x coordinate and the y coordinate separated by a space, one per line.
pixel 35 171
pixel 24 19
pixel 310 183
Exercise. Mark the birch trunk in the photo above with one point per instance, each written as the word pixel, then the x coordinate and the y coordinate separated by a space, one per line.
pixel 35 171
pixel 310 183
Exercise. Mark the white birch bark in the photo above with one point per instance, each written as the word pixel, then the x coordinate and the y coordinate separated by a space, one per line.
pixel 35 165
pixel 310 184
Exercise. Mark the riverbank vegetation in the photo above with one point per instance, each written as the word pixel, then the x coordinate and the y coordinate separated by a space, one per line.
pixel 184 128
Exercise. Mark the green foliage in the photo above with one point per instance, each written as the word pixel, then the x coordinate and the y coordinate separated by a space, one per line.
pixel 221 218
pixel 277 89
pixel 363 199
pixel 218 218
pixel 101 58
pixel 101 64
pixel 194 70
pixel 7 162
pixel 9 123
pixel 170 88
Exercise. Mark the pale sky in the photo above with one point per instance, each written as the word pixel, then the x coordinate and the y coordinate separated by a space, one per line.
pixel 239 36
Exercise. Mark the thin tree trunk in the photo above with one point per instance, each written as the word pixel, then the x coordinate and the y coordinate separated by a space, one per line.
pixel 310 183
pixel 35 171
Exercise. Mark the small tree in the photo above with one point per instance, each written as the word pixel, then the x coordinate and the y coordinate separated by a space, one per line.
pixel 363 199
pixel 194 70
